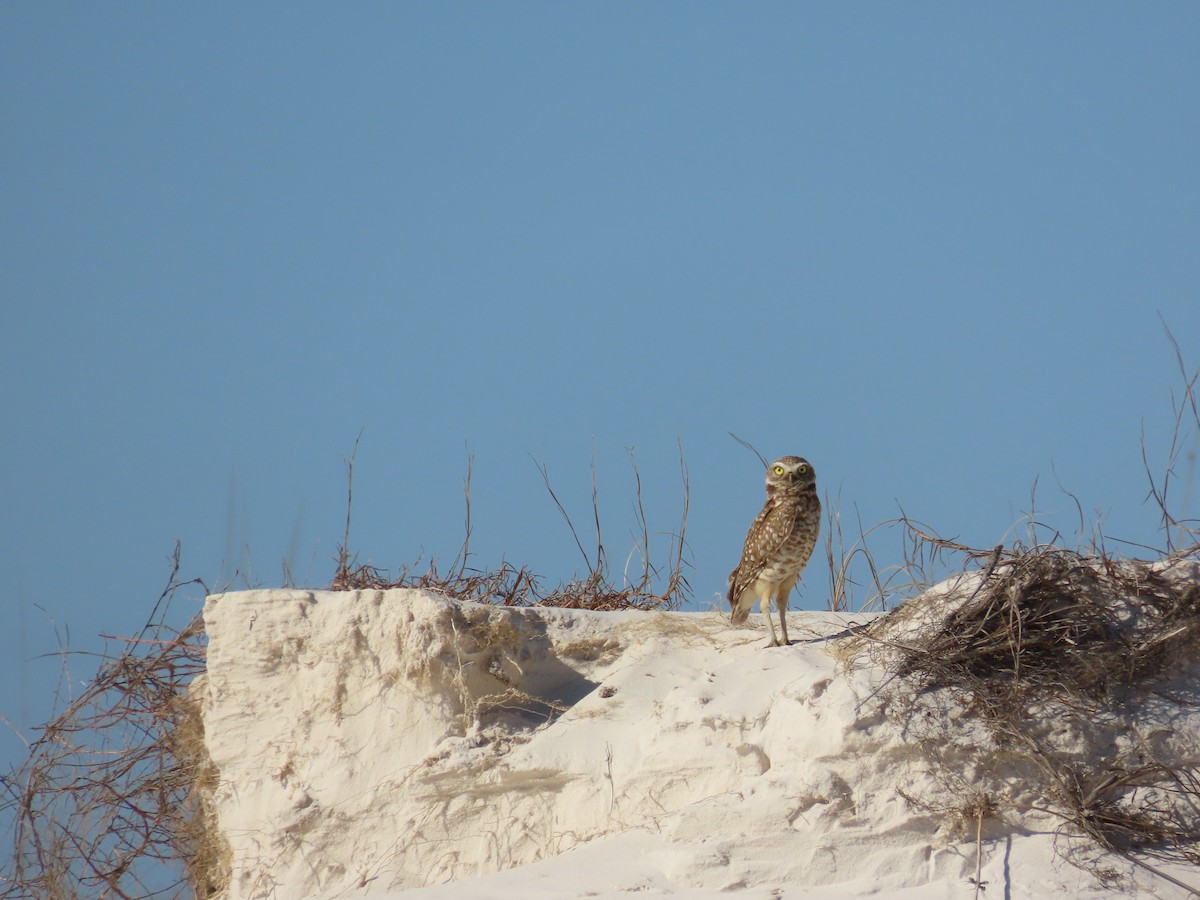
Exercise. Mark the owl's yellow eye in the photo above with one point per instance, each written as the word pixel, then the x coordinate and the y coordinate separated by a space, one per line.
pixel 778 470
pixel 802 469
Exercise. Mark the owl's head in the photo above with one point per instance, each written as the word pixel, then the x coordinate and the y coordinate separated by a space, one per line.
pixel 790 475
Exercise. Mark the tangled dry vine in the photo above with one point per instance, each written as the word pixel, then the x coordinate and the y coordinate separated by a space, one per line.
pixel 112 782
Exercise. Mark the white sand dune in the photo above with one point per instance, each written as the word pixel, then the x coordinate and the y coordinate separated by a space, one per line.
pixel 397 743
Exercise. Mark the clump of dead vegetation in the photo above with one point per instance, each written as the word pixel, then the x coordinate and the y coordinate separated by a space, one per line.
pixel 1047 621
pixel 1056 681
pixel 653 586
pixel 109 800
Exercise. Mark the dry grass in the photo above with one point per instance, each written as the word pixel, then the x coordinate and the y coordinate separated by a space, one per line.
pixel 656 586
pixel 1053 622
pixel 111 783
pixel 1053 680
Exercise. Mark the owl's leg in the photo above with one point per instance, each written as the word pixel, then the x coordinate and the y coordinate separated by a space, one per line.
pixel 781 603
pixel 766 611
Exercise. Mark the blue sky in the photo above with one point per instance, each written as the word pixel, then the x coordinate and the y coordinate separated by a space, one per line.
pixel 925 245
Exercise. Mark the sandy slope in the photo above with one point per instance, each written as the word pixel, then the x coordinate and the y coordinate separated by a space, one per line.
pixel 395 741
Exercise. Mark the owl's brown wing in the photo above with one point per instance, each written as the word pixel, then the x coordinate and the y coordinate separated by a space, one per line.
pixel 768 533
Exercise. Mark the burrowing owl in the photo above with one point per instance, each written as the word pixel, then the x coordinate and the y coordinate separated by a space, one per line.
pixel 780 541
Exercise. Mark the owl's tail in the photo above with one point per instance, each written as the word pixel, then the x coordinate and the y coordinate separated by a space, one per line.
pixel 739 601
